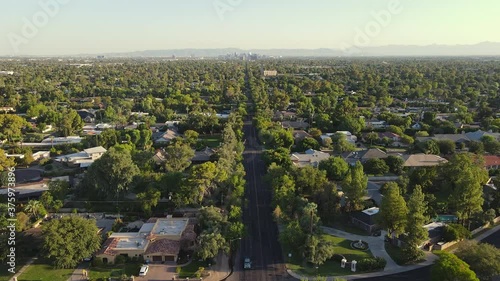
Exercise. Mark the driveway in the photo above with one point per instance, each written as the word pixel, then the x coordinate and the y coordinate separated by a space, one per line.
pixel 159 272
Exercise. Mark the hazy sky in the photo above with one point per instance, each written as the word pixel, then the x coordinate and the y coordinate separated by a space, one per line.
pixel 92 26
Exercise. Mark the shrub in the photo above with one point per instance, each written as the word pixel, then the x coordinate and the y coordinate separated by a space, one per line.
pixel 454 232
pixel 49 167
pixel 371 264
pixel 45 161
pixel 97 262
pixel 120 259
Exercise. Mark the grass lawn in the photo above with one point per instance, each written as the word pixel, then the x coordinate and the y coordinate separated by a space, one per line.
pixel 42 271
pixel 189 270
pixel 342 222
pixel 5 275
pixel 115 270
pixel 210 140
pixel 330 267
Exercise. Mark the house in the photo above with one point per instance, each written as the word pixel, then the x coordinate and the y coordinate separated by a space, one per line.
pixel 41 155
pixel 6 109
pixel 478 135
pixel 86 115
pixel 63 140
pixel 298 125
pixel 391 136
pixel 423 160
pixel 376 124
pixel 348 136
pixel 363 155
pixel 165 137
pixel 416 126
pixel 82 159
pixel 456 138
pixel 284 115
pixel 491 162
pixel 203 156
pixel 366 219
pixel 310 158
pixel 300 135
pixel 158 240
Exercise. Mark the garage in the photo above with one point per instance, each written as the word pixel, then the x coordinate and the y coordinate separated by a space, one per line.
pixel 157 259
pixel 169 258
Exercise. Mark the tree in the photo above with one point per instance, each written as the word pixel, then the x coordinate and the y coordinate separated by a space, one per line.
pixel 483 259
pixel 293 236
pixel 11 126
pixel 201 180
pixel 416 233
pixel 491 145
pixel 70 123
pixel 33 208
pixel 431 147
pixel 209 245
pixel 395 164
pixel 280 156
pixel 318 250
pixel 375 166
pixel 6 162
pixel 110 176
pixel 22 221
pixel 70 239
pixel 149 199
pixel 464 177
pixel 191 137
pixel 476 147
pixel 450 268
pixel 309 180
pixel 393 211
pixel 455 232
pixel 336 168
pixel 308 143
pixel 341 144
pixel 58 189
pixel 354 187
pixel 371 137
pixel 178 157
pixel 446 147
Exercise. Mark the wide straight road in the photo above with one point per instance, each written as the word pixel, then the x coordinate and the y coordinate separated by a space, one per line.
pixel 261 242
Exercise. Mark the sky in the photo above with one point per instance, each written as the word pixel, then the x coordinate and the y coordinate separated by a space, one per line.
pixel 64 27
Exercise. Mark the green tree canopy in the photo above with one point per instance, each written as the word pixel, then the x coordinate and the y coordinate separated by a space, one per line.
pixel 450 268
pixel 70 239
pixel 393 211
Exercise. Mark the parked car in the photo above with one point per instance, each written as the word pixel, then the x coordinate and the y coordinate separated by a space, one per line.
pixel 88 258
pixel 144 270
pixel 247 263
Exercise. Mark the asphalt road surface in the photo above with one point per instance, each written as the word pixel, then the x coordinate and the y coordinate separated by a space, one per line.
pixel 261 242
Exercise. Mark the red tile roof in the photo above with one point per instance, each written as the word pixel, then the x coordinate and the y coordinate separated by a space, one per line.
pixel 108 247
pixel 491 160
pixel 164 246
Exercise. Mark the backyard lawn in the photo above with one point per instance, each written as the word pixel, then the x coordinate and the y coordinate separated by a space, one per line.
pixel 330 267
pixel 189 270
pixel 210 141
pixel 114 270
pixel 41 271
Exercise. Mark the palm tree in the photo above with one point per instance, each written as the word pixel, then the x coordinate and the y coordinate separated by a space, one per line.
pixel 33 207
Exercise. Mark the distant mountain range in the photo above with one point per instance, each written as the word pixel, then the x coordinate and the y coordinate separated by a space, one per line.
pixel 480 49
